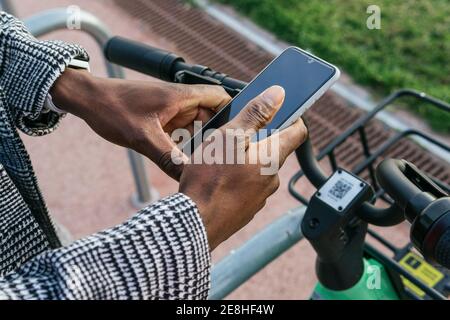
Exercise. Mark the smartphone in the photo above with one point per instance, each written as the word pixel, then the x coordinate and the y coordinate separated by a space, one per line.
pixel 304 77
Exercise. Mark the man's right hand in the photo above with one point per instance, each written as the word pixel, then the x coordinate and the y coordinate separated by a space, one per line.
pixel 229 195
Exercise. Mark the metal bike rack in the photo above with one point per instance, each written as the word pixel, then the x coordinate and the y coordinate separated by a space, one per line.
pixel 56 19
pixel 6 5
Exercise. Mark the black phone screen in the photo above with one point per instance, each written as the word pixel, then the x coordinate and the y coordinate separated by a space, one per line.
pixel 301 76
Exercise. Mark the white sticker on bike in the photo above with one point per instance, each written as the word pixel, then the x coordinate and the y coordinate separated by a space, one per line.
pixel 340 190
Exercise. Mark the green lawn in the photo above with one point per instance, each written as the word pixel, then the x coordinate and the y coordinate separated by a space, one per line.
pixel 412 49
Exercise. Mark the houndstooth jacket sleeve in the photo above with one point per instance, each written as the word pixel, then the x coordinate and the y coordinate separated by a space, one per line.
pixel 28 69
pixel 160 253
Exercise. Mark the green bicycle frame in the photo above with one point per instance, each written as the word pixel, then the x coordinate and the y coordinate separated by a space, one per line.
pixel 374 284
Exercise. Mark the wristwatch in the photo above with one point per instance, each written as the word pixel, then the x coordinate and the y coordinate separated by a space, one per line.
pixel 75 63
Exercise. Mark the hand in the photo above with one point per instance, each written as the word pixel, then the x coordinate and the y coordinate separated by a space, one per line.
pixel 137 114
pixel 228 196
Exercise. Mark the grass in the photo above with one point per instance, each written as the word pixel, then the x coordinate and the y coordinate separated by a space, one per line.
pixel 412 48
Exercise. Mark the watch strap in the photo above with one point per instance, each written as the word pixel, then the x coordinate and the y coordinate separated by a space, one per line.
pixel 75 63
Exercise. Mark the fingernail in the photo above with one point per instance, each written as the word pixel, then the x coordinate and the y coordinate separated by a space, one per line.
pixel 274 94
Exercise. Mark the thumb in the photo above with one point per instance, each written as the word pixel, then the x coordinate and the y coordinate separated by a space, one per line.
pixel 290 139
pixel 259 111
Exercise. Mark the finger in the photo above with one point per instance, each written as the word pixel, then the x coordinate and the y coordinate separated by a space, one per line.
pixel 259 111
pixel 289 139
pixel 211 97
pixel 164 153
pixel 203 115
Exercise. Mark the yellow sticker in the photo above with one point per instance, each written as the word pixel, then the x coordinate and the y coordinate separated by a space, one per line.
pixel 422 270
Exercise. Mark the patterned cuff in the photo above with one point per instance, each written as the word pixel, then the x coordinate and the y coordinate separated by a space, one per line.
pixel 29 69
pixel 160 253
pixel 183 244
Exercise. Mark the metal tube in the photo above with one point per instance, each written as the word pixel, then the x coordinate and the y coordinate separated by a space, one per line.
pixel 367 154
pixel 7 6
pixel 264 247
pixel 144 192
pixel 54 19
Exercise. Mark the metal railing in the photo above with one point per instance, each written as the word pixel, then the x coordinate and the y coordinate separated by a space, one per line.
pixel 255 254
pixel 56 19
pixel 6 5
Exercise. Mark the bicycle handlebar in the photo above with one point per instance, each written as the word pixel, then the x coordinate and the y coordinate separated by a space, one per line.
pixel 159 63
pixel 425 205
pixel 408 197
pixel 383 217
pixel 143 58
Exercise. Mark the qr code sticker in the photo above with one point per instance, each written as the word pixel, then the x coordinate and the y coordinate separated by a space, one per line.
pixel 340 189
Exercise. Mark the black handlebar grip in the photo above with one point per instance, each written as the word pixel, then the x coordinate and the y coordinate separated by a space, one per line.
pixel 142 58
pixel 442 250
pixel 390 175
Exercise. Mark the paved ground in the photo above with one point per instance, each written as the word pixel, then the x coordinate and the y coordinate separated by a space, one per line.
pixel 87 182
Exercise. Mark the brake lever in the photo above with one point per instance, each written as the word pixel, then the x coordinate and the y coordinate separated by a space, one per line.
pixel 189 77
pixel 422 181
